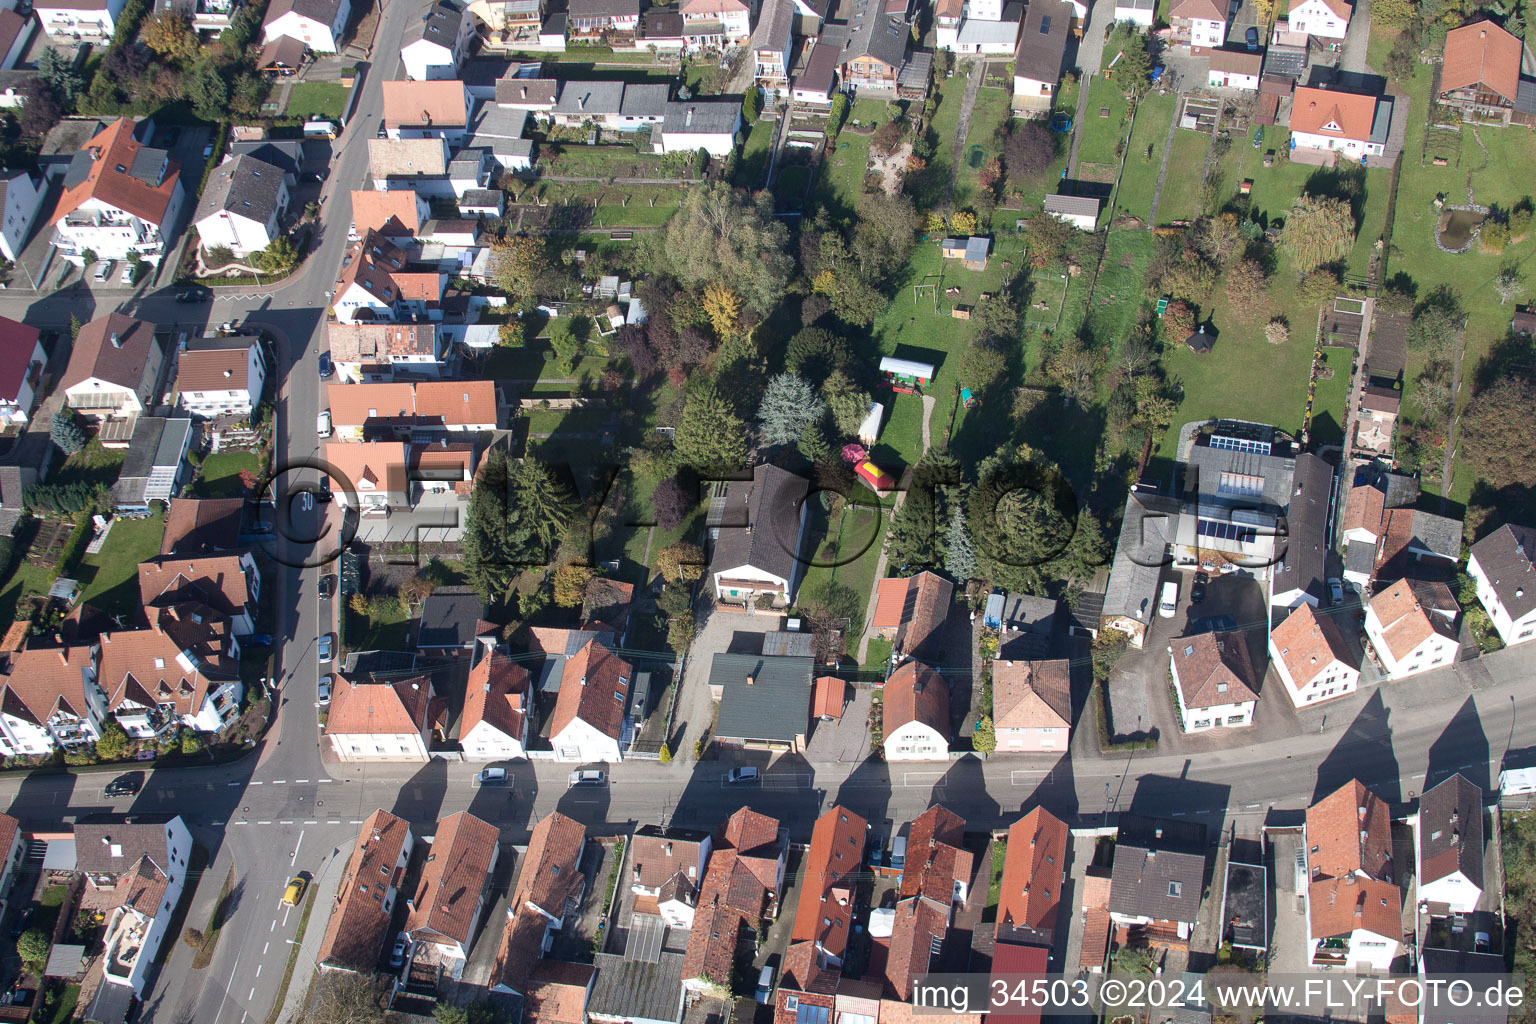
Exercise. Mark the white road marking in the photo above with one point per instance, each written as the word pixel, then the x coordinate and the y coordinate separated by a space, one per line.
pixel 264 945
pixel 297 781
pixel 264 823
pixel 311 823
pixel 286 821
pixel 279 782
pixel 1015 780
pixel 294 859
pixel 255 783
pixel 286 912
pixel 334 821
pixel 258 970
pixel 274 925
pixel 252 995
pixel 907 777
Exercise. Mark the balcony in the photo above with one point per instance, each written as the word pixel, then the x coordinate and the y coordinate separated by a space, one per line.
pixel 125 941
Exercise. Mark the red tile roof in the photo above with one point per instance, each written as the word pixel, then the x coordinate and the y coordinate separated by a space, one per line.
pixel 123 362
pixel 379 709
pixel 497 694
pixel 829 696
pixel 214 369
pixel 1481 54
pixel 47 680
pixel 1032 694
pixel 441 104
pixel 1308 643
pixel 1314 110
pixel 141 887
pixel 218 581
pixel 594 687
pixel 936 858
pixel 916 608
pixel 1030 891
pixel 1011 959
pixel 551 871
pixel 392 212
pixel 742 871
pixel 918 927
pixel 1349 831
pixel 358 924
pixel 1213 669
pixel 916 693
pixel 557 993
pixel 18 342
pixel 1338 906
pixel 149 667
pixel 109 181
pixel 832 864
pixel 455 874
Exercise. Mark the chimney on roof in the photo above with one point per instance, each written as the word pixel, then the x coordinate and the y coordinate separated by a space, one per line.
pixel 117 342
pixel 751 679
pixel 688 119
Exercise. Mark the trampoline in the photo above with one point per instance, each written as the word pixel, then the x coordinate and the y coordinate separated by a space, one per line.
pixel 1061 122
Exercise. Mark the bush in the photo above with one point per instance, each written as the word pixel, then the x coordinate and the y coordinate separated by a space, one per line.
pixel 33 946
pixel 193 937
pixel 665 756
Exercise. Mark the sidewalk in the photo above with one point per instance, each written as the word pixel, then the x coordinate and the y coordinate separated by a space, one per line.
pixel 323 892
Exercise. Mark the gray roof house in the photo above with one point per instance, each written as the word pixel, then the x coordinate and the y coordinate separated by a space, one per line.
pixel 1158 876
pixel 151 469
pixel 756 530
pixel 641 987
pixel 1447 965
pixel 1300 570
pixel 289 154
pixel 764 700
pixel 451 619
pixel 1146 532
pixel 1503 568
pixel 1450 832
pixel 583 99
pixel 247 188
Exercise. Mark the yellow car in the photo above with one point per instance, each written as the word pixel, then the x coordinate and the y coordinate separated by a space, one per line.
pixel 295 891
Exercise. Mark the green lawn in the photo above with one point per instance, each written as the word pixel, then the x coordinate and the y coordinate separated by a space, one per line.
pixel 220 476
pixel 1119 291
pixel 1101 134
pixel 109 579
pixel 64 1009
pixel 847 550
pixel 840 182
pixel 1181 185
pixel 26 581
pixel 1331 398
pixel 384 630
pixel 1138 178
pixel 317 101
pixel 752 165
pixel 901 441
pixel 609 161
pixel 92 464
pixel 990 114
pixel 566 421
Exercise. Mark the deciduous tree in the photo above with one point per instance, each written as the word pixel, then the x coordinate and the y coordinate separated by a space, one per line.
pixel 723 307
pixel 672 503
pixel 1028 149
pixel 982 368
pixel 719 235
pixel 169 33
pixel 1496 435
pixel 517 265
pixel 1509 281
pixel 571 582
pixel 682 562
pixel 1247 289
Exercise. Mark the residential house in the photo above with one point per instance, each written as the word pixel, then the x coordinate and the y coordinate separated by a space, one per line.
pixel 1034 872
pixel 666 870
pixel 701 124
pixel 497 132
pixel 450 622
pixel 1480 74
pixel 773 45
pixel 374 353
pixel 1299 575
pixel 1042 50
pixel 535 95
pixel 433 46
pixel 202 526
pixel 1137 12
pixel 741 889
pixel 452 892
pixel 806 987
pixel 396 214
pixel 549 890
pixel 558 992
pixel 359 922
pixel 811 17
pixel 612 105
pixel 587 19
pixel 833 863
pixel 590 720
pixel 1082 212
pixel 910 613
pixel 1376 418
pixel 1213 681
pixel 177 673
pixel 1198 22
pixel 1148 528
pixel 765 700
pixel 1032 705
pixel 875 53
pixel 1450 839
pixel 1311 657
pixel 114 370
pixel 934 885
pixel 1355 125
pixel 1326 19
pixel 373 475
pixel 1354 909
pixel 318 23
pixel 756 544
pixel 1386 538
pixel 155 464
pixel 50 700
pixel 513 24
pixel 120 198
pixel 915 714
pixel 22 362
pixel 1156 881
pixel 228 583
pixel 71 22
pixel 484 203
pixel 282 57
pixel 1411 626
pixel 715 24
pixel 143 863
pixel 427 110
pixel 416 165
pixel 220 377
pixel 817 80
pixel 1500 566
pixel 377 283
pixel 1238 484
pixel 1235 69
pixel 10 856
pixel 242 206
pixel 21 199
pixel 498 710
pixel 380 721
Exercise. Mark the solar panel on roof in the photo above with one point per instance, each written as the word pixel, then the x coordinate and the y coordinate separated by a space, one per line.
pixel 807 1014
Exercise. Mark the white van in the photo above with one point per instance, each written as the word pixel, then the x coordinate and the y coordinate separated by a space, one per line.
pixel 321 130
pixel 323 423
pixel 1170 600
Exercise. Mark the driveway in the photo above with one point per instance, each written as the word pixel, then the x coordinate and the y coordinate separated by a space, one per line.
pixel 695 710
pixel 846 739
pixel 1356 39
